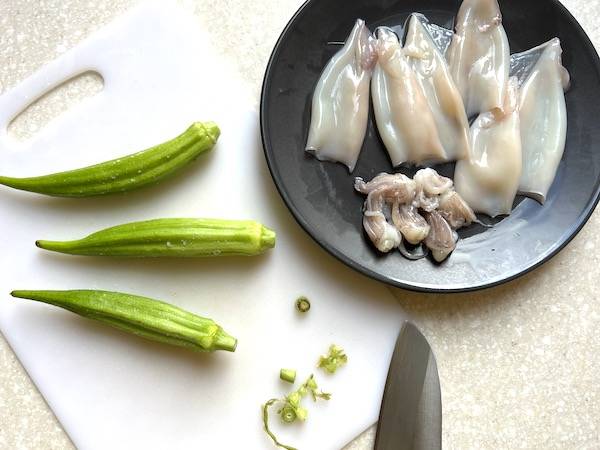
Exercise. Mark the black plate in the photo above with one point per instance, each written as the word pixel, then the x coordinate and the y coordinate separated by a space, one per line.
pixel 321 195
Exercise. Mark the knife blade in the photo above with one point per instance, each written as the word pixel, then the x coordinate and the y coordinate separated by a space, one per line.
pixel 411 409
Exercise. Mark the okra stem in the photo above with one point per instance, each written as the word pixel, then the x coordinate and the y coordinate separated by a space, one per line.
pixel 288 375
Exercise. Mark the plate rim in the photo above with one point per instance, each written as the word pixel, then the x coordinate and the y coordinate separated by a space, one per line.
pixel 583 219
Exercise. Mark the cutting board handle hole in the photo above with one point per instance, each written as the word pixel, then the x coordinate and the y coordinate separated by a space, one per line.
pixel 53 103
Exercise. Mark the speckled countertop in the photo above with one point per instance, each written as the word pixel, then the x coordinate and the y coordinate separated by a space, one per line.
pixel 518 364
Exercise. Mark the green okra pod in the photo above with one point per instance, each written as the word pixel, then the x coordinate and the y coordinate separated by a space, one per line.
pixel 127 173
pixel 172 238
pixel 151 319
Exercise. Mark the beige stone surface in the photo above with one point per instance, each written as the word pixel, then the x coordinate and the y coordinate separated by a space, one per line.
pixel 518 364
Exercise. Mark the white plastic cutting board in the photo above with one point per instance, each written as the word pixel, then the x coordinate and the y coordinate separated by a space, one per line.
pixel 114 391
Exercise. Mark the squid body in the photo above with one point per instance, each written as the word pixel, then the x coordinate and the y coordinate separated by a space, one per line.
pixel 489 179
pixel 479 56
pixel 340 106
pixel 435 80
pixel 404 117
pixel 543 114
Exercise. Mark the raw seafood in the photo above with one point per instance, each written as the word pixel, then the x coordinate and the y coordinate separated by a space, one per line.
pixel 479 56
pixel 488 181
pixel 435 192
pixel 432 183
pixel 441 240
pixel 430 186
pixel 442 37
pixel 397 187
pixel 426 209
pixel 404 118
pixel 340 106
pixel 436 82
pixel 383 235
pixel 543 114
pixel 412 225
pixel 455 210
pixel 422 103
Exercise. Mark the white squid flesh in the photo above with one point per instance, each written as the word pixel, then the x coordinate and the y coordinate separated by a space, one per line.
pixel 340 106
pixel 444 98
pixel 404 118
pixel 489 180
pixel 543 114
pixel 479 56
